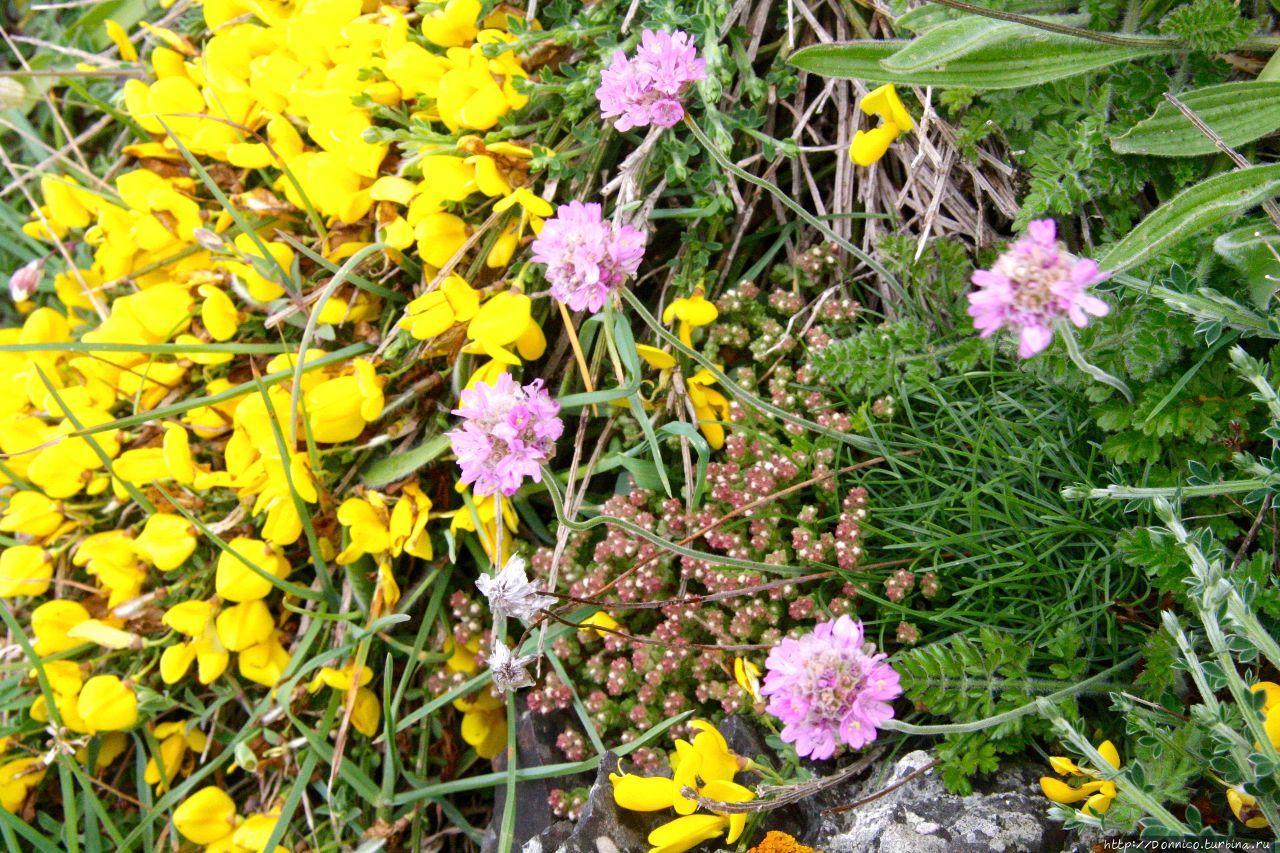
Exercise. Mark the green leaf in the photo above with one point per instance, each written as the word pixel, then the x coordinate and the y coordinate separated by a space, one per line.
pixel 1013 63
pixel 1251 249
pixel 1238 112
pixel 948 41
pixel 1191 211
pixel 397 467
pixel 930 15
pixel 953 39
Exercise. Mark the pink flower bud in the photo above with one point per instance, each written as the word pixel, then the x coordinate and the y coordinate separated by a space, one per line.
pixel 24 281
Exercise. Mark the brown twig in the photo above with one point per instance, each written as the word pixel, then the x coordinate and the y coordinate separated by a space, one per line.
pixel 890 789
pixel 759 502
pixel 723 594
pixel 784 795
pixel 1272 209
pixel 1251 535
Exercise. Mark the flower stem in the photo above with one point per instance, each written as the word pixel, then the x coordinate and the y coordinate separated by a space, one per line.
pixel 1034 706
pixel 1099 375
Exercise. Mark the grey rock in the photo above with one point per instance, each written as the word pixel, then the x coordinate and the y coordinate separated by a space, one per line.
pixel 1006 815
pixel 744 737
pixel 602 826
pixel 535 735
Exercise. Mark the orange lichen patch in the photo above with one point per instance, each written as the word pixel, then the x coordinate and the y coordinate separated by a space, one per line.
pixel 780 842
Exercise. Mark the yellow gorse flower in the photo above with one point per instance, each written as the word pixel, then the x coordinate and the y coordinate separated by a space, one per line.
pixel 747 674
pixel 705 765
pixel 1097 794
pixel 710 406
pixel 366 711
pixel 178 741
pixel 484 716
pixel 265 100
pixel 869 146
pixel 690 313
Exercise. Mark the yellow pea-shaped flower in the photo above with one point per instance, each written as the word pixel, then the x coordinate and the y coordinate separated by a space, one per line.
pixel 205 817
pixel 50 623
pixel 25 570
pixel 244 625
pixel 166 541
pixel 107 704
pixel 237 581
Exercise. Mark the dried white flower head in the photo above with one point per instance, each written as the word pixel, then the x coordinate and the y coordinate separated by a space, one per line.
pixel 508 669
pixel 510 593
pixel 25 280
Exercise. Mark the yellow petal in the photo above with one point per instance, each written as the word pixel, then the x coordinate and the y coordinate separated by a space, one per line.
pixel 1109 754
pixel 189 617
pixel 884 102
pixel 25 570
pixel 656 358
pixel 244 625
pixel 175 661
pixel 206 816
pixel 51 622
pixel 685 833
pixel 1097 804
pixel 236 580
pixel 1064 766
pixel 730 792
pixel 1061 792
pixel 106 704
pixel 107 636
pixel 869 146
pixel 121 40
pixel 391 188
pixel 218 313
pixel 642 793
pixel 166 541
pixel 367 713
pixel 686 766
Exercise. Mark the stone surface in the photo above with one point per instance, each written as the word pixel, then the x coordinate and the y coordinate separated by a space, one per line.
pixel 535 739
pixel 602 827
pixel 1006 815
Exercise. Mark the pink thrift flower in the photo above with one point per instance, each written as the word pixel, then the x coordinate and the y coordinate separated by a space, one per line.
pixel 646 88
pixel 587 258
pixel 829 687
pixel 507 433
pixel 1033 283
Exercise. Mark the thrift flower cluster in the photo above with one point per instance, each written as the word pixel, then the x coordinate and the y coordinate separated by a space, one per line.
pixel 507 432
pixel 646 89
pixel 829 688
pixel 587 259
pixel 1033 284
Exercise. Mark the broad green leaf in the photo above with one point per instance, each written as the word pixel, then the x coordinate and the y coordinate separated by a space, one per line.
pixel 1193 210
pixel 1251 249
pixel 1238 112
pixel 930 15
pixel 397 467
pixel 1011 64
pixel 953 39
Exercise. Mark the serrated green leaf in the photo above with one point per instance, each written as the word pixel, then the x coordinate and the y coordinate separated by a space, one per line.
pixel 1013 63
pixel 1238 112
pixel 1191 211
